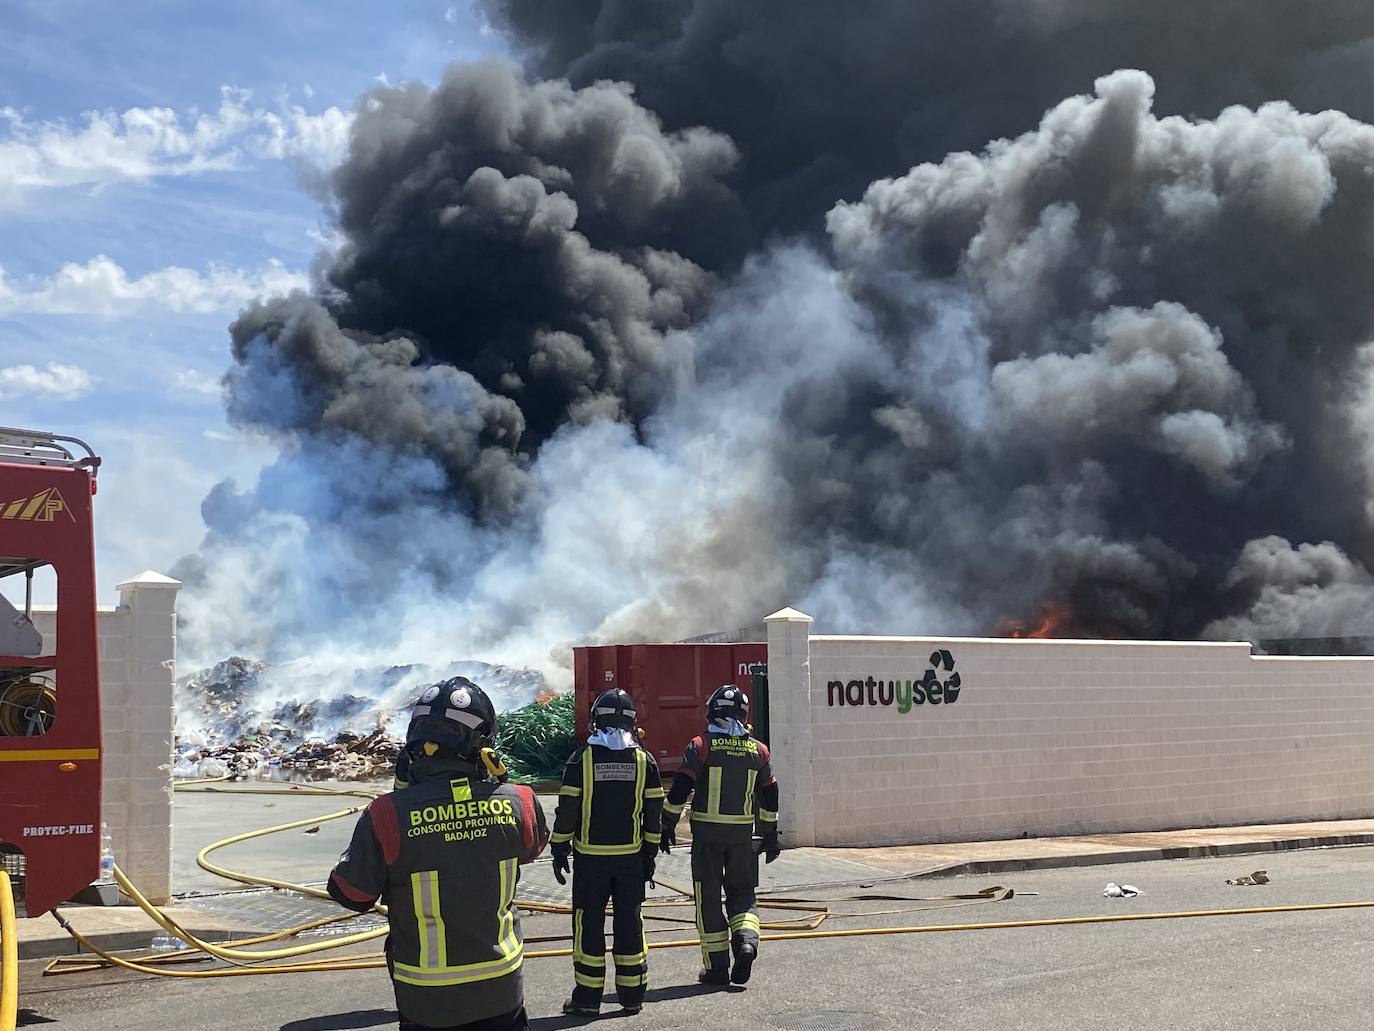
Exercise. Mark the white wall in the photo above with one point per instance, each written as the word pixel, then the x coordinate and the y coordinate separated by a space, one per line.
pixel 137 674
pixel 1063 737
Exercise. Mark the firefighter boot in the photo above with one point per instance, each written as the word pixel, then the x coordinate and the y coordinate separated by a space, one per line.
pixel 744 962
pixel 717 973
pixel 576 1007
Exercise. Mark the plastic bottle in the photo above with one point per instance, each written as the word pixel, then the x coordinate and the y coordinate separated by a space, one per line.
pixel 107 860
pixel 164 942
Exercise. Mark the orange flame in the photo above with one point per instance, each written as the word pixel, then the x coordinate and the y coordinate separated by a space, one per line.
pixel 1055 620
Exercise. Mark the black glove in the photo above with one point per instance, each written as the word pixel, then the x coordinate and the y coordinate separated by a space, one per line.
pixel 649 856
pixel 561 866
pixel 669 836
pixel 769 847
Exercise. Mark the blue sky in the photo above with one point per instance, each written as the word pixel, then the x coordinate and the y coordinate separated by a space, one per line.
pixel 151 154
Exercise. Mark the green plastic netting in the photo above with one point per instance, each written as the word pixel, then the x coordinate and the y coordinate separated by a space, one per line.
pixel 536 740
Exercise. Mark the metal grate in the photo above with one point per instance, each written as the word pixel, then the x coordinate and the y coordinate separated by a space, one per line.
pixel 12 861
pixel 826 1020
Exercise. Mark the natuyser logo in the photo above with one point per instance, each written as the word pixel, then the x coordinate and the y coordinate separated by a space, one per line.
pixel 902 693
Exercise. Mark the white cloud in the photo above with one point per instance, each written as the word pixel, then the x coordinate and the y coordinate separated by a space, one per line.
pixel 64 382
pixel 320 141
pixel 144 143
pixel 329 240
pixel 103 287
pixel 189 381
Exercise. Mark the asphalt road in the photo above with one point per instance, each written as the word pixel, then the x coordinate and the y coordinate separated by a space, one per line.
pixel 202 816
pixel 1281 971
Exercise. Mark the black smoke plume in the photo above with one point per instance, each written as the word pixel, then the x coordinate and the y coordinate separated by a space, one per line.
pixel 824 97
pixel 723 306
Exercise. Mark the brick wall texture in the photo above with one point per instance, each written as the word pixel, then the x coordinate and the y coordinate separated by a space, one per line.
pixel 1054 738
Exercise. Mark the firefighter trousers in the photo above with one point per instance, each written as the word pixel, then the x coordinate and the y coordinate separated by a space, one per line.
pixel 729 867
pixel 619 880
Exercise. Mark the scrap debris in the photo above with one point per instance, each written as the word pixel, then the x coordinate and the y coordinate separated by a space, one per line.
pixel 1118 891
pixel 347 758
pixel 243 719
pixel 1258 877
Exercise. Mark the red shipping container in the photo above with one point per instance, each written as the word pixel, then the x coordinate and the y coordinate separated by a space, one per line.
pixel 669 684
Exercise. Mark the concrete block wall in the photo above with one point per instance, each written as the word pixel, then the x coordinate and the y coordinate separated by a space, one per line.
pixel 1061 737
pixel 137 676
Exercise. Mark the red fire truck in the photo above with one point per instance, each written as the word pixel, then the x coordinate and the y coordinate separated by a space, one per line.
pixel 50 768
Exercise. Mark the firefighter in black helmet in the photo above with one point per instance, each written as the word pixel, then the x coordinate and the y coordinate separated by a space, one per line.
pixel 609 814
pixel 443 853
pixel 735 788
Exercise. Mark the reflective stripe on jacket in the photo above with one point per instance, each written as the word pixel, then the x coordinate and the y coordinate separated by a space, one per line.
pixel 610 803
pixel 444 855
pixel 727 777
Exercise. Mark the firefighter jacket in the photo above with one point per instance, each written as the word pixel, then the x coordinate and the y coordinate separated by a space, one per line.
pixel 443 854
pixel 734 788
pixel 610 803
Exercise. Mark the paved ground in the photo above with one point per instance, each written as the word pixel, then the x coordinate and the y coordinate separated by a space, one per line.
pixel 204 816
pixel 1099 849
pixel 210 905
pixel 1285 971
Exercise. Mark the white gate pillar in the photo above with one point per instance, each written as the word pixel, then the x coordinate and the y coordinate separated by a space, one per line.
pixel 789 723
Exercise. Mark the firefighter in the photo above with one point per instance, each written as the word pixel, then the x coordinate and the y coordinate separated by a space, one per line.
pixel 609 814
pixel 443 853
pixel 734 789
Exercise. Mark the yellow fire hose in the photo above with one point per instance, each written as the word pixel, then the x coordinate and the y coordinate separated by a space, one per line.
pixel 81 964
pixel 232 954
pixel 9 957
pixel 257 956
pixel 239 955
pixel 26 709
pixel 373 962
pixel 247 961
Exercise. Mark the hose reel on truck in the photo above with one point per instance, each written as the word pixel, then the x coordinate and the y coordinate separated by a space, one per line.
pixel 28 705
pixel 28 696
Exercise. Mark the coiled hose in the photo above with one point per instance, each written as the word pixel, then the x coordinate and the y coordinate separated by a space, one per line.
pixel 27 708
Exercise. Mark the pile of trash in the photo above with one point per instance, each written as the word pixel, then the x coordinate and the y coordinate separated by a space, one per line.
pixel 246 719
pixel 348 757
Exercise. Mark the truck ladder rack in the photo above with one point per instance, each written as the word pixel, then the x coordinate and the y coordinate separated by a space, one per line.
pixel 36 447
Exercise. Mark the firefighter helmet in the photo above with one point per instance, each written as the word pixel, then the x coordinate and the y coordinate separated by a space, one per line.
pixel 615 708
pixel 456 714
pixel 727 702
